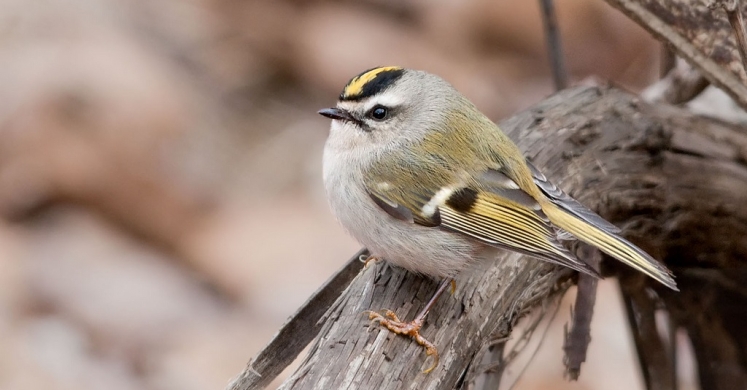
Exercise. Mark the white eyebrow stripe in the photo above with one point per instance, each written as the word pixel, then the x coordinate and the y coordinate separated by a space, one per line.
pixel 386 99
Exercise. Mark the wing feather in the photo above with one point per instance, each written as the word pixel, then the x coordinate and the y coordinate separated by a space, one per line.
pixel 498 224
pixel 568 204
pixel 493 209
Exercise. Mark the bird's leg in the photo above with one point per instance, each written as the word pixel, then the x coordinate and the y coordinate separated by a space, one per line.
pixel 390 321
pixel 368 260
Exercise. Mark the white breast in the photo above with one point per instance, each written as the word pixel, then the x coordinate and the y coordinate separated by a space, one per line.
pixel 426 250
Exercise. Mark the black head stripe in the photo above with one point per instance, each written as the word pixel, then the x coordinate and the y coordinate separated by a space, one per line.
pixel 371 82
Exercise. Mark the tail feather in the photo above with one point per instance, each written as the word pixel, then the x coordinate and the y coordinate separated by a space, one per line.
pixel 609 243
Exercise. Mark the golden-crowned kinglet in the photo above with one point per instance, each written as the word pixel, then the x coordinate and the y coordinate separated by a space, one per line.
pixel 427 182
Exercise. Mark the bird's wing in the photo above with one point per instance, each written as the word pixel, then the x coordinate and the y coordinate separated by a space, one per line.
pixel 590 228
pixel 565 202
pixel 493 210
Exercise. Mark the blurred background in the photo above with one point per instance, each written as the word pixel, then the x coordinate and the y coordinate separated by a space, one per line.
pixel 161 203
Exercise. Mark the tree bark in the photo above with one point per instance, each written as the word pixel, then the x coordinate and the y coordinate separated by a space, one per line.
pixel 674 182
pixel 700 33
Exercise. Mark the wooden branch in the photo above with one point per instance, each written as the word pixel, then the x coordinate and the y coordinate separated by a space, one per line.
pixel 297 332
pixel 675 182
pixel 698 35
pixel 733 10
pixel 655 359
pixel 711 312
pixel 578 338
pixel 351 352
pixel 554 48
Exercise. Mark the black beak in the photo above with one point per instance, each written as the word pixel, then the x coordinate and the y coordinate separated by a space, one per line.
pixel 336 113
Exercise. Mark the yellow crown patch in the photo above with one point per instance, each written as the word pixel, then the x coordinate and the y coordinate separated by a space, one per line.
pixel 370 82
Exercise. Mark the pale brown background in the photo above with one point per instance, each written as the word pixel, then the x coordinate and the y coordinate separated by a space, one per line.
pixel 161 206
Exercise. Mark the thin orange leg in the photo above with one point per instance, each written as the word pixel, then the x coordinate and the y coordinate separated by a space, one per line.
pixel 390 321
pixel 368 260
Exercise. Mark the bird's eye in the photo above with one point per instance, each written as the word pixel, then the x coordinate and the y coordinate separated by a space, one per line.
pixel 379 113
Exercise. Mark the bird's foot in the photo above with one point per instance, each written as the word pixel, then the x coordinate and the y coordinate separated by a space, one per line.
pixel 390 321
pixel 368 260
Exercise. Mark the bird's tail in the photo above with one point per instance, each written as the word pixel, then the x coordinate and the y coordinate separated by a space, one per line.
pixel 609 243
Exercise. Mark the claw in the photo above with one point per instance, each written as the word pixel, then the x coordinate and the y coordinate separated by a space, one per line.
pixel 431 351
pixel 390 321
pixel 374 316
pixel 392 316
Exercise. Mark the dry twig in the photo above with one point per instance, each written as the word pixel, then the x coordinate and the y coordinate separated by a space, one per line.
pixel 554 49
pixel 578 339
pixel 733 10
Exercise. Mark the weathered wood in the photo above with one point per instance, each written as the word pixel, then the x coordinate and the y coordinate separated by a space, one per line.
pixel 353 354
pixel 676 183
pixel 297 332
pixel 655 355
pixel 578 337
pixel 699 33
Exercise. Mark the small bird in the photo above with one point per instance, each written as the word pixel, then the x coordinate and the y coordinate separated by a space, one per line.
pixel 418 175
